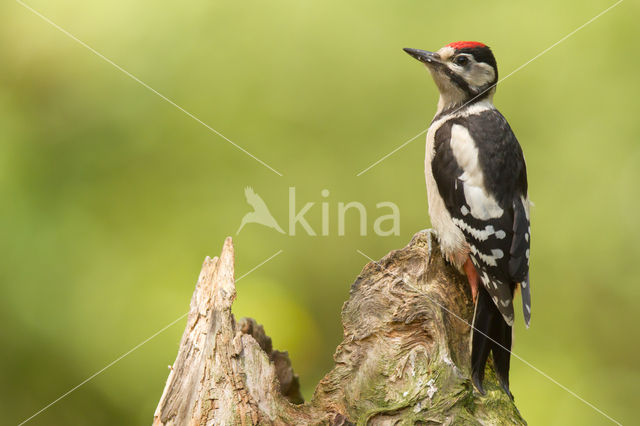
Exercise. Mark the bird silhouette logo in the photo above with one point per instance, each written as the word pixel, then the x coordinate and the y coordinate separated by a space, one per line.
pixel 260 213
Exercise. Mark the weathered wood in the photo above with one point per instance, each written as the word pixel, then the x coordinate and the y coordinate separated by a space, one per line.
pixel 404 358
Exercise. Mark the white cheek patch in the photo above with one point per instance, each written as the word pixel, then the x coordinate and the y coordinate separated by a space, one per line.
pixel 476 74
pixel 480 74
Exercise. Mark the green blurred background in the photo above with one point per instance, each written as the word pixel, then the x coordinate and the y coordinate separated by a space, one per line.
pixel 111 197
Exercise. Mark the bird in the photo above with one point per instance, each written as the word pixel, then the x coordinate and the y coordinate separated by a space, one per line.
pixel 477 195
pixel 260 213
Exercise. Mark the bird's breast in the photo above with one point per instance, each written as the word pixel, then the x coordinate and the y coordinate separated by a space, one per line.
pixel 452 240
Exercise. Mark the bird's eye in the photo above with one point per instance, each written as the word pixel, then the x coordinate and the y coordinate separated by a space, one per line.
pixel 461 60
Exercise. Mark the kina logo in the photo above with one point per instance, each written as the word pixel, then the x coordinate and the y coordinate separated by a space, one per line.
pixel 260 213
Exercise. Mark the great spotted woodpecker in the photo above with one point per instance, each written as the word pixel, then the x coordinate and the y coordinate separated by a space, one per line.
pixel 478 201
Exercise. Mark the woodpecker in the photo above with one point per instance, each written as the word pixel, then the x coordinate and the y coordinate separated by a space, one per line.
pixel 478 197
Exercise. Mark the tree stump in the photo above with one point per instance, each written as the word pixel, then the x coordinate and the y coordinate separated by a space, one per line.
pixel 404 358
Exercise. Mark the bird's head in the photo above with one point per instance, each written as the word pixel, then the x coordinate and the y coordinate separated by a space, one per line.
pixel 463 70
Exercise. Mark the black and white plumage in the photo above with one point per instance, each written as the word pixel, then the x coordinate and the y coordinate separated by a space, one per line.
pixel 478 199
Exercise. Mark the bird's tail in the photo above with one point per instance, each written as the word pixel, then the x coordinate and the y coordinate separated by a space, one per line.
pixel 490 334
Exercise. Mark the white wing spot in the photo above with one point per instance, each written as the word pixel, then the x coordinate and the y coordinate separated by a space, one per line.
pixel 526 236
pixel 500 234
pixel 464 210
pixel 497 253
pixel 465 152
pixel 528 308
pixel 488 259
pixel 505 303
pixel 478 234
pixel 482 205
pixel 526 253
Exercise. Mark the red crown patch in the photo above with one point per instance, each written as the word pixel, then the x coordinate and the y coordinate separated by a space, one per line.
pixel 466 44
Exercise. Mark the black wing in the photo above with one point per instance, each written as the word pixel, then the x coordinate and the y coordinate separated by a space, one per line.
pixel 480 171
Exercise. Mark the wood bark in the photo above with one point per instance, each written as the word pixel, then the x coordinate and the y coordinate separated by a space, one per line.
pixel 404 358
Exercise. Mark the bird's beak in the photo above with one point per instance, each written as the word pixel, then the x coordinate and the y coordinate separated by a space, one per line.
pixel 428 58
